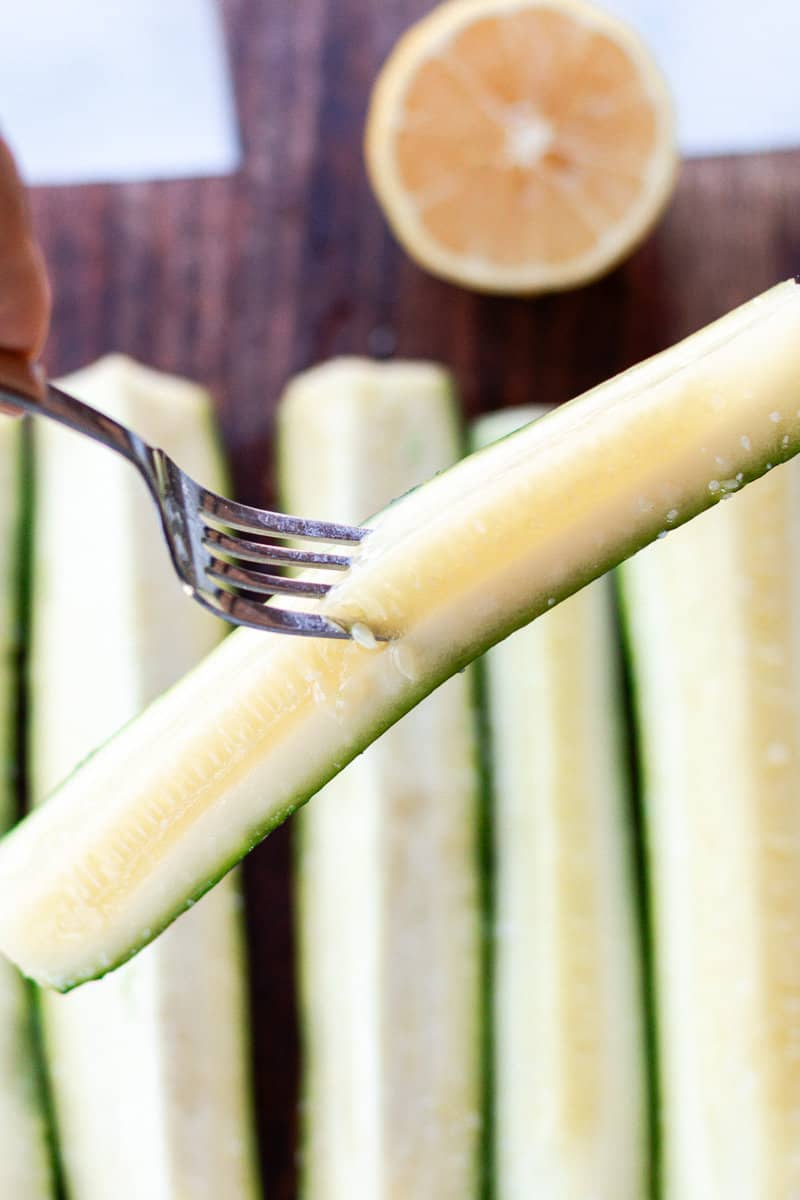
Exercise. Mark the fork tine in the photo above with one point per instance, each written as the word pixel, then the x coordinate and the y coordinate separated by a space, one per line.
pixel 219 510
pixel 241 611
pixel 263 552
pixel 264 584
pixel 182 504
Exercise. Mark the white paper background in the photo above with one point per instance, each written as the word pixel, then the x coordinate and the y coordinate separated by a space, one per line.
pixel 116 89
pixel 139 89
pixel 733 65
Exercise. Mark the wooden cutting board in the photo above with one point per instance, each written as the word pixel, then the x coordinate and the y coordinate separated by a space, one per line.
pixel 239 282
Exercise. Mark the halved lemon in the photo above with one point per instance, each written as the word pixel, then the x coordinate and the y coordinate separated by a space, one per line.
pixel 520 145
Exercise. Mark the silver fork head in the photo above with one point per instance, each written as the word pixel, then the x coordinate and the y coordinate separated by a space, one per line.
pixel 203 534
pixel 201 528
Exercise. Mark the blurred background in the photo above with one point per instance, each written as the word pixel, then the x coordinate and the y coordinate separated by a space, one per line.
pixel 211 216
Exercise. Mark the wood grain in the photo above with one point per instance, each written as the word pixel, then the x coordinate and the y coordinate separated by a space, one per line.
pixel 239 282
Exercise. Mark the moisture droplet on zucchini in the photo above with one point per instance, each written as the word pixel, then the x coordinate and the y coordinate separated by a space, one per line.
pixel 149 1067
pixel 25 1170
pixel 174 800
pixel 712 618
pixel 388 889
pixel 570 1109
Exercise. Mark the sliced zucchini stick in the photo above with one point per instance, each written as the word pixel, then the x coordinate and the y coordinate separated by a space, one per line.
pixel 25 1170
pixel 387 877
pixel 715 653
pixel 570 1112
pixel 174 800
pixel 149 1068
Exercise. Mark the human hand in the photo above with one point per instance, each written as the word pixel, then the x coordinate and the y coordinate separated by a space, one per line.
pixel 24 290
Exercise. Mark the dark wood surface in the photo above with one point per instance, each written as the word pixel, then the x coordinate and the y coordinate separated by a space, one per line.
pixel 239 282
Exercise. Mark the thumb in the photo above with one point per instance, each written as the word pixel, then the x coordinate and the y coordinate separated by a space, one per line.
pixel 24 290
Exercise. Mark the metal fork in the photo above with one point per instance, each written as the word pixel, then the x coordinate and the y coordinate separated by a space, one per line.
pixel 209 537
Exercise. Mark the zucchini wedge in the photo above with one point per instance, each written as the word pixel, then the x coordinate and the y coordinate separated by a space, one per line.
pixel 388 886
pixel 149 1068
pixel 150 822
pixel 569 1068
pixel 25 1161
pixel 712 618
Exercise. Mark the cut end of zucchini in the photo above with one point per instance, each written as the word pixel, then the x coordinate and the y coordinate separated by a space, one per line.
pixel 160 403
pixel 361 404
pixel 215 764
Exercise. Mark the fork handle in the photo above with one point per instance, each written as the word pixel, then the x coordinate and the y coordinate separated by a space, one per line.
pixel 21 387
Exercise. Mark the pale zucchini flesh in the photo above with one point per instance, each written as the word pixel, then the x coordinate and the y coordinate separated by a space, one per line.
pixel 148 1068
pixel 171 803
pixel 712 616
pixel 388 888
pixel 569 1072
pixel 25 1167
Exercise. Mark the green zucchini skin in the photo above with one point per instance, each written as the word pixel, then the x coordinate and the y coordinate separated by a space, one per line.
pixel 610 472
pixel 26 1166
pixel 644 897
pixel 388 894
pixel 149 1069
